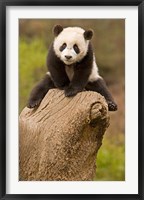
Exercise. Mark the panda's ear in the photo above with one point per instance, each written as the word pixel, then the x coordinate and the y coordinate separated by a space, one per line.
pixel 88 34
pixel 57 29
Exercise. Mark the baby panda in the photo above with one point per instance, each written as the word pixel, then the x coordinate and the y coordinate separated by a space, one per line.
pixel 71 67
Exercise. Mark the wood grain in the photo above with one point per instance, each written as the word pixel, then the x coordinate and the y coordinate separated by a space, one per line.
pixel 60 139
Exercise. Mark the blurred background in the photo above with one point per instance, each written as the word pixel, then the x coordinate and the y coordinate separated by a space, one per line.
pixel 35 37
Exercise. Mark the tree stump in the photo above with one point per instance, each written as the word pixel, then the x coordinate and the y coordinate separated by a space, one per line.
pixel 60 139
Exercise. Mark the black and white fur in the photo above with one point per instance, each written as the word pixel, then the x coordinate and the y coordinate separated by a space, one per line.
pixel 71 67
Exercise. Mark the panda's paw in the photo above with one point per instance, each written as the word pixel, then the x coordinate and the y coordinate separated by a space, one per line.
pixel 70 91
pixel 32 103
pixel 61 86
pixel 112 106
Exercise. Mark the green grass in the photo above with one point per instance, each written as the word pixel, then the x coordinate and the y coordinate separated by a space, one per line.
pixel 32 59
pixel 111 161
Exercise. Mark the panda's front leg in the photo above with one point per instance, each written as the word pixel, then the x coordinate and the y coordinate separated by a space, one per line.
pixel 99 86
pixel 62 84
pixel 72 90
pixel 59 77
pixel 78 82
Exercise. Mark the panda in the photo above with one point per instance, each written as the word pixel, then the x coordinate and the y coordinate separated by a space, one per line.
pixel 71 67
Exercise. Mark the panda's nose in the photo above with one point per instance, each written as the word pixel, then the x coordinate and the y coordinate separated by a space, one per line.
pixel 68 57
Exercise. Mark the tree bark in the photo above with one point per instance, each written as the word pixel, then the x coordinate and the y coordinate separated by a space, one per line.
pixel 60 139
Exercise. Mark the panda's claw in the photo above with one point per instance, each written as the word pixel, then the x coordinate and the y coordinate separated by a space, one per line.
pixel 69 92
pixel 112 106
pixel 33 103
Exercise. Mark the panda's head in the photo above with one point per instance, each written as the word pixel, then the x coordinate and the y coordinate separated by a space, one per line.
pixel 71 44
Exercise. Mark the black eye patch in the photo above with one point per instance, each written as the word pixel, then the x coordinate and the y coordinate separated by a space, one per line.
pixel 75 47
pixel 63 47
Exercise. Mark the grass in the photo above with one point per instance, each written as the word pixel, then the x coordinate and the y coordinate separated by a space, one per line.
pixel 31 66
pixel 111 161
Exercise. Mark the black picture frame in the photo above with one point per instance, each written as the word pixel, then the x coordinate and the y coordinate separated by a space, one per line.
pixel 3 5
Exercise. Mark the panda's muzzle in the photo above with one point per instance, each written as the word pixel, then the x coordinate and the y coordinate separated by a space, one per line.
pixel 68 57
